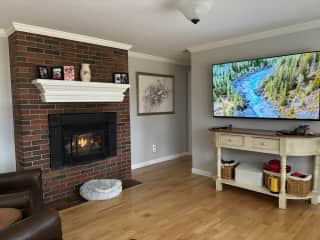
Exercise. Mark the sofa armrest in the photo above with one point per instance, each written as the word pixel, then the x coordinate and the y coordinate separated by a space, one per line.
pixel 19 181
pixel 15 200
pixel 25 181
pixel 43 225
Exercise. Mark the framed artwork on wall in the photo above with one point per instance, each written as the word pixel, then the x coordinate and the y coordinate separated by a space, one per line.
pixel 155 94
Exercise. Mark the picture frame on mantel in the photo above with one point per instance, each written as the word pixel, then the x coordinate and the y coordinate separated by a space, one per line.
pixel 69 72
pixel 57 73
pixel 120 78
pixel 43 72
pixel 155 94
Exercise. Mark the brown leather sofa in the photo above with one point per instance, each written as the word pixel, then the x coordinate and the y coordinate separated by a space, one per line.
pixel 23 191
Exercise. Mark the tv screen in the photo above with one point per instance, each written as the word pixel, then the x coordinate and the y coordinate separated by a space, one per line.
pixel 285 87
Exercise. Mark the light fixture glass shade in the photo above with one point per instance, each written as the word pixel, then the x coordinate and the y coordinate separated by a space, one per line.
pixel 194 9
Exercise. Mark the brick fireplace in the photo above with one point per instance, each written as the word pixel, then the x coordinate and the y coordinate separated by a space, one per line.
pixel 31 114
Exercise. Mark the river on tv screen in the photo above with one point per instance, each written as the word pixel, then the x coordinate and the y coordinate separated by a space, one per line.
pixel 279 87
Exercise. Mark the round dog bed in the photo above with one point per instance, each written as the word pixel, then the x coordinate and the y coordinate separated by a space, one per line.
pixel 102 189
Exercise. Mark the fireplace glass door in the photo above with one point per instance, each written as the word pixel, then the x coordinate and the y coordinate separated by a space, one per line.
pixel 84 146
pixel 79 138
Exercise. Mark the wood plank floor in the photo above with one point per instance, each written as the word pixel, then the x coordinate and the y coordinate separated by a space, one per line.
pixel 174 204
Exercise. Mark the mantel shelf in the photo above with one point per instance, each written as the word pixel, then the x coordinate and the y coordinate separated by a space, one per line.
pixel 76 91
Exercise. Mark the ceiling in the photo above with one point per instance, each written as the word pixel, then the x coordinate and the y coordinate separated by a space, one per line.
pixel 154 26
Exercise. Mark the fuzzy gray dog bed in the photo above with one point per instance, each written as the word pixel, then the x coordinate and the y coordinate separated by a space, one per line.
pixel 102 189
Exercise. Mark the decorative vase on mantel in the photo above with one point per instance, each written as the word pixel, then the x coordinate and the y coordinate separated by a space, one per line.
pixel 85 72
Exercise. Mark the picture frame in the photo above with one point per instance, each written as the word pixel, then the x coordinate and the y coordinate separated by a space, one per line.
pixel 57 73
pixel 43 72
pixel 155 94
pixel 121 78
pixel 69 72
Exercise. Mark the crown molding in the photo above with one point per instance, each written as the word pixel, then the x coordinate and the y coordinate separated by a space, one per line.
pixel 257 36
pixel 65 35
pixel 156 58
pixel 10 30
pixel 3 33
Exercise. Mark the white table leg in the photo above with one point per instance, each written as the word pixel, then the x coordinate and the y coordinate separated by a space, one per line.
pixel 218 180
pixel 315 189
pixel 282 195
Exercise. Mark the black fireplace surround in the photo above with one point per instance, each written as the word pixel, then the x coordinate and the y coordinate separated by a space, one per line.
pixel 79 138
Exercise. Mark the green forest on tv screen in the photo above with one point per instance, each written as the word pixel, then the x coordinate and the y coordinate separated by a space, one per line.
pixel 285 87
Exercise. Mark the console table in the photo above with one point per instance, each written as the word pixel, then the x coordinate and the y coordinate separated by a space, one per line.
pixel 271 142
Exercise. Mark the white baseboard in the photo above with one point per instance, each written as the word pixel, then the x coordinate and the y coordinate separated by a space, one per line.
pixel 159 160
pixel 201 172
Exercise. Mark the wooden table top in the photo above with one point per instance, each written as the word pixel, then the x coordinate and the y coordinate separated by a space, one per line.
pixel 259 132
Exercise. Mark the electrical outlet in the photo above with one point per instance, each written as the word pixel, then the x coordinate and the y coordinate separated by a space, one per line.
pixel 154 148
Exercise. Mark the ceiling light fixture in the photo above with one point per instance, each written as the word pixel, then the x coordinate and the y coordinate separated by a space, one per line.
pixel 194 9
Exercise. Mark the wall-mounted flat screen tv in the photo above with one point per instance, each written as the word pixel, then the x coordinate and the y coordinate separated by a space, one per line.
pixel 284 87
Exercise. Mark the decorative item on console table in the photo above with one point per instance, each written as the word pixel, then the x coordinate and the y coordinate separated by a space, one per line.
pixel 299 184
pixel 85 72
pixel 43 72
pixel 57 73
pixel 227 170
pixel 69 73
pixel 274 184
pixel 302 130
pixel 249 174
pixel 269 174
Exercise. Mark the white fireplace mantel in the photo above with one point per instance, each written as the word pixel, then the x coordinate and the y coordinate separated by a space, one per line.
pixel 75 91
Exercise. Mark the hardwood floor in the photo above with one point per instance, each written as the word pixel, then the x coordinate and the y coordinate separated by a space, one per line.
pixel 174 204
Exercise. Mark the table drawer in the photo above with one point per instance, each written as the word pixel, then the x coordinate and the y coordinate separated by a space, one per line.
pixel 266 144
pixel 232 140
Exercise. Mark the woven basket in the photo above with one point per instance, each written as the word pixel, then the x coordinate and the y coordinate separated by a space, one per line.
pixel 300 187
pixel 227 171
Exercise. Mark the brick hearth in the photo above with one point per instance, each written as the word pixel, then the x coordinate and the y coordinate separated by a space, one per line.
pixel 31 115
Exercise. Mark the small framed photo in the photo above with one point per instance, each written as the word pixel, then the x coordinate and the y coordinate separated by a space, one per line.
pixel 69 73
pixel 43 72
pixel 57 73
pixel 121 78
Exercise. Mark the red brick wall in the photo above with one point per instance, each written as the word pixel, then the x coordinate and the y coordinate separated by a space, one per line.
pixel 31 115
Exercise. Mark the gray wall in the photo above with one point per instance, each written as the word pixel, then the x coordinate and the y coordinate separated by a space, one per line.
pixel 168 132
pixel 7 155
pixel 203 153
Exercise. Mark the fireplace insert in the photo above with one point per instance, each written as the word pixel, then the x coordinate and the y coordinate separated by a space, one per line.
pixel 80 138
